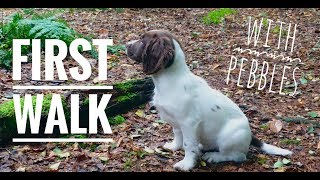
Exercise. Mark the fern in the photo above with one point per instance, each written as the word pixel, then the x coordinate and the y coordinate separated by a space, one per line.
pixel 49 29
pixel 39 26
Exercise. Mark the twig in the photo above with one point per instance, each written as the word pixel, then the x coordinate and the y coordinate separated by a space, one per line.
pixel 6 150
pixel 301 121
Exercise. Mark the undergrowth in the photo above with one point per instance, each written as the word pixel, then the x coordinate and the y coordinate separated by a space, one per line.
pixel 217 16
pixel 32 25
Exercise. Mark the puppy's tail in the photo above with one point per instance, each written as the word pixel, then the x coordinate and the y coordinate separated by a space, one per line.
pixel 269 149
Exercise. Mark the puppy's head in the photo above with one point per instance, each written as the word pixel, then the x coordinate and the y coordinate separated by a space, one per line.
pixel 155 50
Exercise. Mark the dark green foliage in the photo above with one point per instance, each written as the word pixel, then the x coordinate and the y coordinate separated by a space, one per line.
pixel 117 120
pixel 49 29
pixel 116 49
pixel 34 26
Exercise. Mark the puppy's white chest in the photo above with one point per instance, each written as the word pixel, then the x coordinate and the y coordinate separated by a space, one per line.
pixel 166 108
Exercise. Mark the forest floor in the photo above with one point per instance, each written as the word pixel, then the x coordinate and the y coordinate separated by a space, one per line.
pixel 138 141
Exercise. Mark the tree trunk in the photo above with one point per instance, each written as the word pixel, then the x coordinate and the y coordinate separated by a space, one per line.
pixel 126 96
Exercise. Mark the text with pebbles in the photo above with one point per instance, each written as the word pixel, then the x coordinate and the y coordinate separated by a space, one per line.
pixel 284 42
pixel 55 52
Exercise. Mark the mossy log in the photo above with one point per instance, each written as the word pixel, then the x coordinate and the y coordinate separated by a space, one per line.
pixel 126 96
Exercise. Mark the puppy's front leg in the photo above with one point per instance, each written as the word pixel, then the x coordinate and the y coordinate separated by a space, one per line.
pixel 191 147
pixel 176 144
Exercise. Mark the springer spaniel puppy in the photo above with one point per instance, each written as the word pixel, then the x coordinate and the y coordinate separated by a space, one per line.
pixel 203 119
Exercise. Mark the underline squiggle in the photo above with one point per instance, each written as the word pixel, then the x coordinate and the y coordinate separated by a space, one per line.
pixel 268 55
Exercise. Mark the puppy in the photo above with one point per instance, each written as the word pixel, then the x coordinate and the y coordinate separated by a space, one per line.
pixel 202 118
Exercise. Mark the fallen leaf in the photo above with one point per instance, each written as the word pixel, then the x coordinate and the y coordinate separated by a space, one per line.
pixel 119 141
pixel 202 163
pixel 160 152
pixel 278 164
pixel 104 159
pixel 126 65
pixel 155 124
pixel 60 154
pixel 286 161
pixel 313 114
pixel 21 169
pixel 55 166
pixel 160 121
pixel 140 113
pixel 81 157
pixel 43 153
pixel 215 66
pixel 64 155
pixel 311 152
pixel 303 80
pixel 96 80
pixel 148 150
pixel 310 129
pixel 75 146
pixel 281 169
pixel 318 146
pixel 57 150
pixel 262 159
pixel 275 125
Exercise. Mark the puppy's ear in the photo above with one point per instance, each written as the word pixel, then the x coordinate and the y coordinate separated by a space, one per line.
pixel 158 54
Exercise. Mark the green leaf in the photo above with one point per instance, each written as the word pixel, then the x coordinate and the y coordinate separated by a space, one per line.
pixel 140 113
pixel 278 164
pixel 202 163
pixel 313 114
pixel 160 121
pixel 303 80
pixel 310 129
pixel 104 159
pixel 60 154
pixel 286 161
pixel 57 150
pixel 262 160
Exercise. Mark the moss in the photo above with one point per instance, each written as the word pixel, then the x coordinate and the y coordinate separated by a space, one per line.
pixel 7 110
pixel 125 86
pixel 290 141
pixel 126 97
pixel 117 120
pixel 86 102
pixel 7 113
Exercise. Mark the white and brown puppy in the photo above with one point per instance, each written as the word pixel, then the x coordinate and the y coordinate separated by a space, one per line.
pixel 202 118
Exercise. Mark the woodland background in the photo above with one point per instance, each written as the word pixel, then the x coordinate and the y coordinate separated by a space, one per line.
pixel 208 36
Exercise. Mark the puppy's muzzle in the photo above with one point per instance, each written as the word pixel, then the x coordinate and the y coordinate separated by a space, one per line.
pixel 129 44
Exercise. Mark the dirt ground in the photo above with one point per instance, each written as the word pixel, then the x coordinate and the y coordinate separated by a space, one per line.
pixel 138 141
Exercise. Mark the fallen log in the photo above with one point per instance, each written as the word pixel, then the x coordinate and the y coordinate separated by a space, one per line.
pixel 300 120
pixel 126 96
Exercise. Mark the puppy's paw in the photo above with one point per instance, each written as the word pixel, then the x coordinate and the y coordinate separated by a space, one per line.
pixel 184 165
pixel 211 157
pixel 172 146
pixel 216 157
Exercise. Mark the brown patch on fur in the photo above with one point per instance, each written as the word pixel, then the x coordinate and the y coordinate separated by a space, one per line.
pixel 155 50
